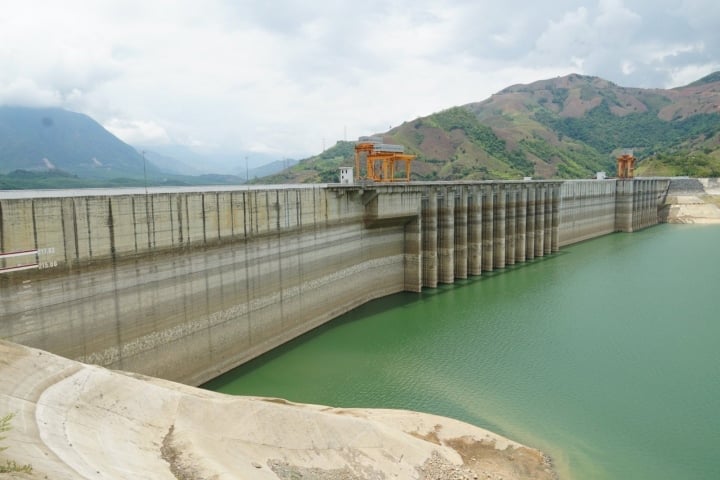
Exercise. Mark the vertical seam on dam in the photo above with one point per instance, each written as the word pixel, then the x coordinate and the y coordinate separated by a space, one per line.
pixel 62 228
pixel 204 215
pixel 178 206
pixel 89 227
pixel 34 224
pixel 219 222
pixel 111 228
pixel 2 230
pixel 134 220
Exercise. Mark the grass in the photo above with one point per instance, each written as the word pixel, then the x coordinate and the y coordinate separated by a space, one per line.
pixel 10 466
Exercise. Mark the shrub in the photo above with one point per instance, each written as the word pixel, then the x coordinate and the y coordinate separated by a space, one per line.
pixel 10 466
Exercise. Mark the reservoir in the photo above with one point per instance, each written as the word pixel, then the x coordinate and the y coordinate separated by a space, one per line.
pixel 604 355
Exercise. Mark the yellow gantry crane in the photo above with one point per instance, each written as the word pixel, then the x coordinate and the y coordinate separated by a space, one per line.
pixel 626 165
pixel 381 161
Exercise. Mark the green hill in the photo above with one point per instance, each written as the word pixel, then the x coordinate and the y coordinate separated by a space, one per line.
pixel 567 127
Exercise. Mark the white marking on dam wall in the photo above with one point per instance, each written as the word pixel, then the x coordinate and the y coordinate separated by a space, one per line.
pixel 185 285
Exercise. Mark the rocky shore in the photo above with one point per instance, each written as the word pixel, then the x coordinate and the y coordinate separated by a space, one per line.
pixel 78 421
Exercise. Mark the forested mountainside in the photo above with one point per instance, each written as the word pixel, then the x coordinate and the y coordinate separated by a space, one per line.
pixel 566 127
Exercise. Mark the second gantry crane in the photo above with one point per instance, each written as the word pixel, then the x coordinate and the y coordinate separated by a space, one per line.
pixel 381 161
pixel 626 164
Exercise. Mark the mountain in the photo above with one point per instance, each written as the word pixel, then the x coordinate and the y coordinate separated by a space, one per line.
pixel 566 127
pixel 56 148
pixel 46 139
pixel 171 164
pixel 322 168
pixel 184 160
pixel 270 168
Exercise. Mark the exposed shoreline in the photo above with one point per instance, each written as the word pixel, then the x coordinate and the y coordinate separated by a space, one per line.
pixel 692 209
pixel 692 200
pixel 74 420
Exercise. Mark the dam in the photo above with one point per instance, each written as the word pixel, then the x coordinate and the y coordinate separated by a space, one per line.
pixel 187 284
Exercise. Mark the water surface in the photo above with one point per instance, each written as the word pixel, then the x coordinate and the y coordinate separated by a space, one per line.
pixel 604 355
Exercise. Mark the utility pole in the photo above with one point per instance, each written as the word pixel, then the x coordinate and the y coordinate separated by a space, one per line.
pixel 247 171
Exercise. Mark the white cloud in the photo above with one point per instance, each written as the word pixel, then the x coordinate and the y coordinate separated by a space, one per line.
pixel 138 132
pixel 25 92
pixel 282 76
pixel 628 67
pixel 690 73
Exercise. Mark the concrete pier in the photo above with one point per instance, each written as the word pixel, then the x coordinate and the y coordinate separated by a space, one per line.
pixel 520 225
pixel 555 215
pixel 461 234
pixel 185 285
pixel 548 228
pixel 510 235
pixel 430 240
pixel 540 222
pixel 499 227
pixel 446 237
pixel 488 229
pixel 474 225
pixel 530 224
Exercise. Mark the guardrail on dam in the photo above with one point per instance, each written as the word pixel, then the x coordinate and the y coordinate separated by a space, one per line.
pixel 185 285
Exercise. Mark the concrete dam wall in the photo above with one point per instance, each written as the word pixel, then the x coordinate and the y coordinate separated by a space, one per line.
pixel 185 285
pixel 591 208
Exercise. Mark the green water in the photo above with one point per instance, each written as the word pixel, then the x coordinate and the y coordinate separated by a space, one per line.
pixel 605 355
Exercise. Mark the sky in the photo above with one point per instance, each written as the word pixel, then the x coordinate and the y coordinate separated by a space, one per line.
pixel 287 78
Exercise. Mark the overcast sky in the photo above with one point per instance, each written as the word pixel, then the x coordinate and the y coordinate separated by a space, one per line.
pixel 287 77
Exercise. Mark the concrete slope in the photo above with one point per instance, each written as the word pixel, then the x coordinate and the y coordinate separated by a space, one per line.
pixel 692 209
pixel 74 420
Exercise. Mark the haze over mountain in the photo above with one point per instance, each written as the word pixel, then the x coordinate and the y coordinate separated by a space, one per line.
pixel 566 127
pixel 184 160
